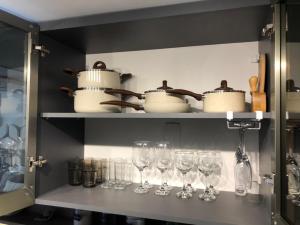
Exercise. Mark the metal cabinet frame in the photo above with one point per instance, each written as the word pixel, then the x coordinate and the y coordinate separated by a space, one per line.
pixel 25 196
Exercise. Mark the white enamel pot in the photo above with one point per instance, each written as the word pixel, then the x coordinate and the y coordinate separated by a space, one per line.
pixel 162 100
pixel 153 107
pixel 98 77
pixel 88 100
pixel 162 94
pixel 224 99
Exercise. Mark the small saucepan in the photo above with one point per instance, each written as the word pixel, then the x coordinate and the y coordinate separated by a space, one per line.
pixel 99 77
pixel 221 99
pixel 87 100
pixel 158 100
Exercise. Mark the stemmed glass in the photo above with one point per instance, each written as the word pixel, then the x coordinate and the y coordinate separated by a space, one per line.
pixel 163 157
pixel 184 162
pixel 209 165
pixel 242 169
pixel 141 158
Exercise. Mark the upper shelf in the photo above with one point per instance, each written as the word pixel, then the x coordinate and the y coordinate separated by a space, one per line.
pixel 201 115
pixel 228 209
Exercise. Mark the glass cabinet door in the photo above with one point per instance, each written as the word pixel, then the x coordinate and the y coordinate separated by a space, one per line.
pixel 17 113
pixel 291 113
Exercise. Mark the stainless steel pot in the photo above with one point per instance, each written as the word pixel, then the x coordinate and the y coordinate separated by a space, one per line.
pixel 88 99
pixel 98 77
pixel 292 97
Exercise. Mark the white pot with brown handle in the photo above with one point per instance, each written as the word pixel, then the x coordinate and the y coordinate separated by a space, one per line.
pixel 98 77
pixel 87 100
pixel 224 99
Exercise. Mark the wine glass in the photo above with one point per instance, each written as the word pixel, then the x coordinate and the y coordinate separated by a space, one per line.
pixel 141 158
pixel 184 162
pixel 216 176
pixel 209 166
pixel 163 156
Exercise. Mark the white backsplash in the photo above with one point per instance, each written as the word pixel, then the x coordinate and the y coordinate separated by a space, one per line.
pixel 197 68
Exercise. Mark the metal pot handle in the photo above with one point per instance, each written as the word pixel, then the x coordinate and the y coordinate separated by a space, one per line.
pixel 67 90
pixel 124 77
pixel 124 93
pixel 99 65
pixel 123 104
pixel 185 92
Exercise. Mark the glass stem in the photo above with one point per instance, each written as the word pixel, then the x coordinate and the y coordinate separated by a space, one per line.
pixel 163 181
pixel 141 178
pixel 183 182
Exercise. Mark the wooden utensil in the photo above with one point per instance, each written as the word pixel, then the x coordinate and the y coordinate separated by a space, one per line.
pixel 259 102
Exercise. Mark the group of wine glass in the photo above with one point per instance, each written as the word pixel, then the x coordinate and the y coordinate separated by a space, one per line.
pixel 209 164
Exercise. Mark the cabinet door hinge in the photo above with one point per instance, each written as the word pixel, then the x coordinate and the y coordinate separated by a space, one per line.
pixel 42 49
pixel 36 163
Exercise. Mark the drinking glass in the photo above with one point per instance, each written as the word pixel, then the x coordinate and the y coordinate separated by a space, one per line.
pixel 89 173
pixel 105 174
pixel 163 158
pixel 141 158
pixel 209 165
pixel 184 162
pixel 75 171
pixel 128 173
pixel 119 174
pixel 217 173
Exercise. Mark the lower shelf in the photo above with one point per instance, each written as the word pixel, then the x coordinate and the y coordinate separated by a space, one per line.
pixel 228 209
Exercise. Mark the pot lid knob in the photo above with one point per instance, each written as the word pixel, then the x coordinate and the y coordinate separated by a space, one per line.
pixel 164 86
pixel 224 86
pixel 99 65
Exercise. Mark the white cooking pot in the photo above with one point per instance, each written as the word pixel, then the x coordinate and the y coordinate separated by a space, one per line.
pixel 153 107
pixel 292 97
pixel 158 100
pixel 88 100
pixel 224 99
pixel 98 77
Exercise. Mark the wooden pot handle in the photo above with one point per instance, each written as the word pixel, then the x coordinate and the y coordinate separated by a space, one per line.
pixel 123 104
pixel 67 90
pixel 185 92
pixel 124 77
pixel 124 93
pixel 71 72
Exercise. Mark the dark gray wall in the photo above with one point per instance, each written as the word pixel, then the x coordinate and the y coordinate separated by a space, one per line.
pixel 58 140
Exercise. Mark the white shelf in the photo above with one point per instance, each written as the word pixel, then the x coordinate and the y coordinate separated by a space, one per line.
pixel 201 115
pixel 228 209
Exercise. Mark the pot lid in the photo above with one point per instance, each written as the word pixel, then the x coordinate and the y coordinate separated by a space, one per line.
pixel 163 88
pixel 223 88
pixel 290 86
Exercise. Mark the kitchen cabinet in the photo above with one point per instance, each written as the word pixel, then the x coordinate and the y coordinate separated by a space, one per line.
pixel 56 133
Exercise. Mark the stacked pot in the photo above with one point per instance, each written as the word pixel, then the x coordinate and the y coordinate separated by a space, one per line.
pixel 92 86
pixel 158 100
